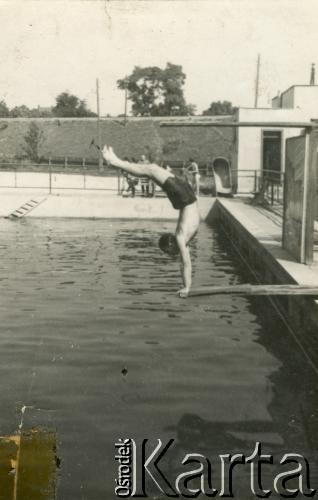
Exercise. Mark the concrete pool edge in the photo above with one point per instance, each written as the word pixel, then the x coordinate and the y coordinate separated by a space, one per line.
pixel 258 242
pixel 93 205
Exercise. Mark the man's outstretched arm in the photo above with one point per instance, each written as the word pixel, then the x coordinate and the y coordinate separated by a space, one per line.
pixel 186 265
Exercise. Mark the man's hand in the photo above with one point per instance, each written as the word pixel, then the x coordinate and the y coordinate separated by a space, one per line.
pixel 183 293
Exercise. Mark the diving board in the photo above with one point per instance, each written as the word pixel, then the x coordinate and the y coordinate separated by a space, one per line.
pixel 248 289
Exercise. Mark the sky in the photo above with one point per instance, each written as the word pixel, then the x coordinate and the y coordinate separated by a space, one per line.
pixel 50 46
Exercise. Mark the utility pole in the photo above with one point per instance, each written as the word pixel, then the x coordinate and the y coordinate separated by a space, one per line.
pixel 126 97
pixel 257 81
pixel 125 103
pixel 312 74
pixel 100 160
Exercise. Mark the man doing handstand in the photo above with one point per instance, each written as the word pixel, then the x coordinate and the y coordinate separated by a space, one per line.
pixel 182 197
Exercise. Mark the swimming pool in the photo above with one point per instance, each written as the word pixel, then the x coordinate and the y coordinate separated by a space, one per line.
pixel 95 340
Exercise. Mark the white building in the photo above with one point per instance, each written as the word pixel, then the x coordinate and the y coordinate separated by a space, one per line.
pixel 263 148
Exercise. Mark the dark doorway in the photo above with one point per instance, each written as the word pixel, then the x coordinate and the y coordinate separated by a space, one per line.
pixel 272 152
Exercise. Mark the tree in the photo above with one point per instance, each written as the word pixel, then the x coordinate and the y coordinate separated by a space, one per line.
pixel 157 92
pixel 33 140
pixel 25 112
pixel 4 110
pixel 70 105
pixel 41 112
pixel 20 111
pixel 220 108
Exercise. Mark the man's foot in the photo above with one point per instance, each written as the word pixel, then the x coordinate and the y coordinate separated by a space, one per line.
pixel 183 293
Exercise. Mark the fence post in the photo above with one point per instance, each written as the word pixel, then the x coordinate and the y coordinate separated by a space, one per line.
pixel 309 191
pixel 65 161
pixel 183 168
pixel 50 176
pixel 84 174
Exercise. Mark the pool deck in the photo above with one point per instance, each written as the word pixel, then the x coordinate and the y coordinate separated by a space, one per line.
pixel 92 204
pixel 266 228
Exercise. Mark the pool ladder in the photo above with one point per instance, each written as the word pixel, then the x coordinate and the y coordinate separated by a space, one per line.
pixel 25 209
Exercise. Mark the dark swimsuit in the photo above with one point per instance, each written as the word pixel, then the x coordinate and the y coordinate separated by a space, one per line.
pixel 179 192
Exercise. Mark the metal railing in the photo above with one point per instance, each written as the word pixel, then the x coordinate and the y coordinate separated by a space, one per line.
pixel 70 176
pixel 268 184
pixel 272 183
pixel 56 177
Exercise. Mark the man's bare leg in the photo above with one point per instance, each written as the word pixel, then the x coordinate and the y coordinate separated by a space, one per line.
pixel 151 170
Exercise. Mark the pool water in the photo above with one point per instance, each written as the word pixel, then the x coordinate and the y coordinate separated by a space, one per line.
pixel 96 342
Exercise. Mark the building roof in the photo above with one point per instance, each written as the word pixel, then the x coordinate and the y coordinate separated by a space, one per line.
pixel 293 86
